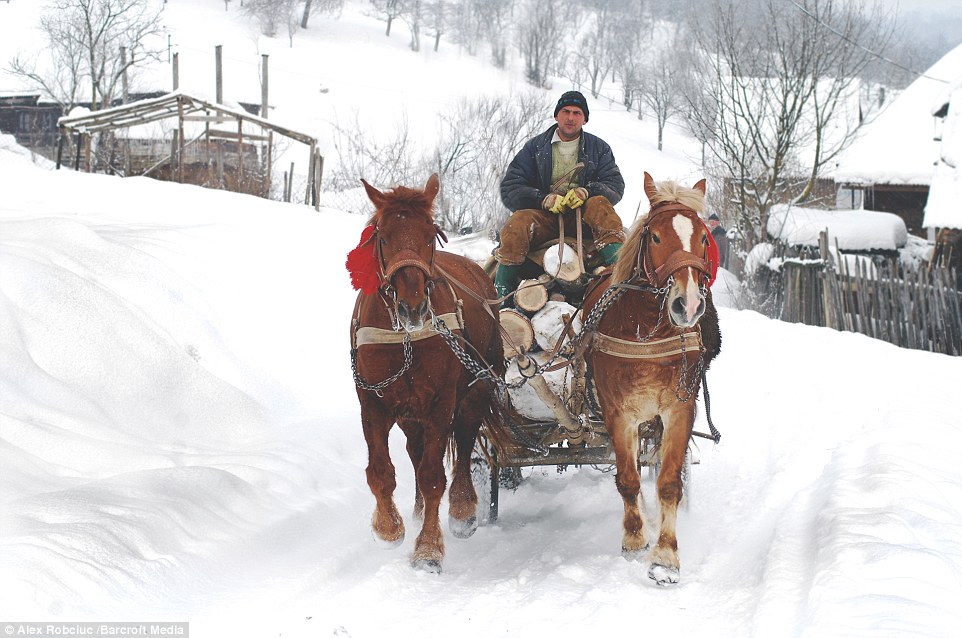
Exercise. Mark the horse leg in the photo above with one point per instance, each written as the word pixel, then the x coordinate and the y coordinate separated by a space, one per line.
pixel 415 448
pixel 386 523
pixel 624 436
pixel 665 565
pixel 463 500
pixel 429 548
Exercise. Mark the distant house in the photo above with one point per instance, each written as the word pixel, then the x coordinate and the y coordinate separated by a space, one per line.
pixel 890 167
pixel 943 210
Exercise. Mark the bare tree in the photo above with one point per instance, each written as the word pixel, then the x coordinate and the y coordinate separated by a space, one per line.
pixel 777 75
pixel 594 52
pixel 479 139
pixel 320 6
pixel 412 13
pixel 389 10
pixel 438 15
pixel 542 32
pixel 379 159
pixel 660 86
pixel 84 42
pixel 627 49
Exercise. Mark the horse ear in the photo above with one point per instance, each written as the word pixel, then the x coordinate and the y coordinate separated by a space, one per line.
pixel 700 186
pixel 433 186
pixel 376 196
pixel 650 189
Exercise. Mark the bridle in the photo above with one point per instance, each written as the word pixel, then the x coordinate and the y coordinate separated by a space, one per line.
pixel 677 260
pixel 405 258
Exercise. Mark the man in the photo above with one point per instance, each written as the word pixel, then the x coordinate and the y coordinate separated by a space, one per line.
pixel 720 235
pixel 554 174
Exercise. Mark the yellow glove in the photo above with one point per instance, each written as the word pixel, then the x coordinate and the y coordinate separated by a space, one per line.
pixel 576 197
pixel 554 203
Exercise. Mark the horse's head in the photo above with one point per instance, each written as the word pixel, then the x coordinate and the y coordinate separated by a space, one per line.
pixel 405 233
pixel 669 247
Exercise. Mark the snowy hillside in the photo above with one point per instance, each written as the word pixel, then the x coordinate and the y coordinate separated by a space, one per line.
pixel 180 437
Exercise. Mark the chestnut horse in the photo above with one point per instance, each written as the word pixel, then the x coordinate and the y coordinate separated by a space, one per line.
pixel 406 373
pixel 657 332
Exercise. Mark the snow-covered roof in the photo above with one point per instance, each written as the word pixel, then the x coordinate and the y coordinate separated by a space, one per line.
pixel 944 206
pixel 898 146
pixel 850 229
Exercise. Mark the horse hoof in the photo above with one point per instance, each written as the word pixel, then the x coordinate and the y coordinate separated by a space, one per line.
pixel 663 575
pixel 463 529
pixel 386 543
pixel 634 555
pixel 428 565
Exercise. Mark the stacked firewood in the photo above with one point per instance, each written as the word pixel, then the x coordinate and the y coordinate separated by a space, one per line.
pixel 545 308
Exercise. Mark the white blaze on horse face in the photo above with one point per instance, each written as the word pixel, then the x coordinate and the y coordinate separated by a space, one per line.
pixel 686 232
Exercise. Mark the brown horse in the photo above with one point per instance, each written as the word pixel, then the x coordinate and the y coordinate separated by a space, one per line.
pixel 657 332
pixel 407 373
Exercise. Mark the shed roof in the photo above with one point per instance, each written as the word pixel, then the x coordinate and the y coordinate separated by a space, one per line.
pixel 898 146
pixel 167 106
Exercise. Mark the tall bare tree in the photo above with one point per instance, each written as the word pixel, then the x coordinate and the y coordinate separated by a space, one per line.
pixel 389 10
pixel 542 33
pixel 84 42
pixel 773 81
pixel 660 86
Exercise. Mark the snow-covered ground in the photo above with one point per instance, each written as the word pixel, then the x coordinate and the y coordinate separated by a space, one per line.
pixel 180 440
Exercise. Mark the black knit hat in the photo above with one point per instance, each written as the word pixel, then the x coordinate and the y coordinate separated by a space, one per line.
pixel 713 218
pixel 572 98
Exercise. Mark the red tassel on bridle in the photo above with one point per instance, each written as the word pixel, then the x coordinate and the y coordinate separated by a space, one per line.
pixel 362 264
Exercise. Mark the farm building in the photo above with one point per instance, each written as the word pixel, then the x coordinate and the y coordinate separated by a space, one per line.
pixel 890 167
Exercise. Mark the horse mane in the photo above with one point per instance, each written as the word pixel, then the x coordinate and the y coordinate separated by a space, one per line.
pixel 403 200
pixel 667 191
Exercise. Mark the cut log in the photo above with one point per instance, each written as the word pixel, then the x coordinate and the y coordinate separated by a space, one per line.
pixel 548 323
pixel 563 265
pixel 519 335
pixel 532 295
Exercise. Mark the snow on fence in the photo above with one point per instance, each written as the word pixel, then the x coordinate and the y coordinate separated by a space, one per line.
pixel 919 309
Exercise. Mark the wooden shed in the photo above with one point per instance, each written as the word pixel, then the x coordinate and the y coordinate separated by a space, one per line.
pixel 209 144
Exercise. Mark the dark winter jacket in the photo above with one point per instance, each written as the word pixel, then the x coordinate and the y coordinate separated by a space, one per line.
pixel 528 178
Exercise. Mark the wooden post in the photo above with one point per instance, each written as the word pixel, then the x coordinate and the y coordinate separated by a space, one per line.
pixel 264 86
pixel 76 160
pixel 173 152
pixel 176 71
pixel 210 164
pixel 316 177
pixel 310 174
pixel 270 164
pixel 290 185
pixel 60 147
pixel 826 296
pixel 124 94
pixel 240 155
pixel 88 150
pixel 219 77
pixel 182 143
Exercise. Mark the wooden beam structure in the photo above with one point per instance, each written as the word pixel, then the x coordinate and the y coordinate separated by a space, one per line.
pixel 189 109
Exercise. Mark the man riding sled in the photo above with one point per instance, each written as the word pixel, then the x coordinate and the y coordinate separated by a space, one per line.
pixel 555 174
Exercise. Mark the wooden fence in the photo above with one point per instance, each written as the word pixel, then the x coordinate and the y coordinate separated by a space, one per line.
pixel 911 308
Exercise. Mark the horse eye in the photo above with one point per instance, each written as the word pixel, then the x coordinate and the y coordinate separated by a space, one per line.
pixel 655 238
